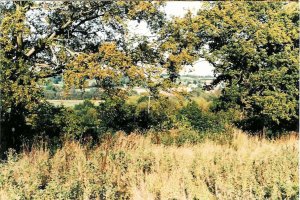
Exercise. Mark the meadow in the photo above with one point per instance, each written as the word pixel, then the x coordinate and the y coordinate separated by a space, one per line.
pixel 70 103
pixel 134 167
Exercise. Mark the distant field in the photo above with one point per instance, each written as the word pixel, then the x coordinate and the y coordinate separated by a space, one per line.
pixel 71 103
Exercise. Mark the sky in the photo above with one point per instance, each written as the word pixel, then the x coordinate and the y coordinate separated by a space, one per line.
pixel 178 9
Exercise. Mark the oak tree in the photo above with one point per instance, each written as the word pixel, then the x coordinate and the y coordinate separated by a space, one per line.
pixel 254 48
pixel 80 40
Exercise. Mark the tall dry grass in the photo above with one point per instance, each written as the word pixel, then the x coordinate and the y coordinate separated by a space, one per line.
pixel 131 167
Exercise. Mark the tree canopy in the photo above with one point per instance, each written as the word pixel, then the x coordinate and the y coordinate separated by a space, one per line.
pixel 252 45
pixel 77 39
pixel 254 48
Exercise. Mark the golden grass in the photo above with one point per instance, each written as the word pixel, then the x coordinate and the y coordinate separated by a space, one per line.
pixel 131 167
pixel 71 103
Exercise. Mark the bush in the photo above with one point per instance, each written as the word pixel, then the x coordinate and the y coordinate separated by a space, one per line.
pixel 45 121
pixel 89 117
pixel 162 113
pixel 61 121
pixel 200 120
pixel 115 114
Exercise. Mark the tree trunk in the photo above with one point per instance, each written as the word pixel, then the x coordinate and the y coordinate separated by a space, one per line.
pixel 3 140
pixel 264 132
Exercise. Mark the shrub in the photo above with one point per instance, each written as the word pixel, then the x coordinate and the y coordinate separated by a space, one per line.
pixel 61 121
pixel 162 113
pixel 89 117
pixel 116 115
pixel 200 120
pixel 45 121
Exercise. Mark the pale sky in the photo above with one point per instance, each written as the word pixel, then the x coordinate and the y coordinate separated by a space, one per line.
pixel 178 9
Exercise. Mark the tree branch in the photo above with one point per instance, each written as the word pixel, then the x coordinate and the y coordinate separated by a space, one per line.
pixel 52 74
pixel 57 71
pixel 87 19
pixel 40 47
pixel 34 50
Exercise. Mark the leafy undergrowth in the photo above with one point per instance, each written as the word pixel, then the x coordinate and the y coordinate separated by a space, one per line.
pixel 131 167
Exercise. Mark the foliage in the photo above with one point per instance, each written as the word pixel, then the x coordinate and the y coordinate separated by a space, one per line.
pixel 88 111
pixel 119 114
pixel 107 67
pixel 115 114
pixel 254 49
pixel 68 123
pixel 45 122
pixel 201 120
pixel 179 44
pixel 39 40
pixel 157 113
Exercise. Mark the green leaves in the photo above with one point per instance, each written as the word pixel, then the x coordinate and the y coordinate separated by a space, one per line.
pixel 254 49
pixel 107 64
pixel 82 40
pixel 252 53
